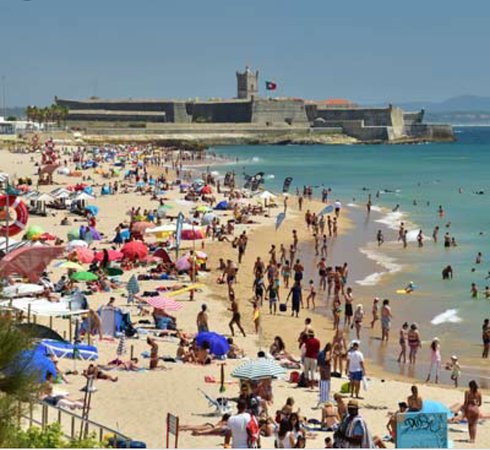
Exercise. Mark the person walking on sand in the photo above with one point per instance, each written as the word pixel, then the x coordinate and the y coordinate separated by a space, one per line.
pixel 435 360
pixel 358 318
pixel 375 311
pixel 202 319
pixel 471 408
pixel 296 295
pixel 235 318
pixel 403 340
pixel 311 296
pixel 348 311
pixel 355 369
pixel 386 317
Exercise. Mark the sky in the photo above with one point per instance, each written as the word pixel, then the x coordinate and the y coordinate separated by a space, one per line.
pixel 369 51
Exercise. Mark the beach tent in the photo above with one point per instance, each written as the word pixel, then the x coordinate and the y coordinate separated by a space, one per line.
pixel 30 262
pixel 111 320
pixel 218 344
pixel 33 362
pixel 222 205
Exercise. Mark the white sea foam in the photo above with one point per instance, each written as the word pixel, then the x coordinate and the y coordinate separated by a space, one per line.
pixel 371 280
pixel 392 219
pixel 255 159
pixel 376 209
pixel 269 176
pixel 385 261
pixel 448 316
pixel 352 205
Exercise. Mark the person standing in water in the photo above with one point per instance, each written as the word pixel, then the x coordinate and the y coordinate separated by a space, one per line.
pixel 375 311
pixel 434 233
pixel 386 317
pixel 349 312
pixel 420 239
pixel 403 340
pixel 435 360
pixel 379 237
pixel 414 343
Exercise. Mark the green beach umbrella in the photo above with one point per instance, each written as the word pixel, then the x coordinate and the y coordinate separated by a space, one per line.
pixel 113 271
pixel 33 231
pixel 73 234
pixel 83 276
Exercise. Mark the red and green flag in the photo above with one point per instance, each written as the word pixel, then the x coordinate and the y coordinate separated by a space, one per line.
pixel 270 85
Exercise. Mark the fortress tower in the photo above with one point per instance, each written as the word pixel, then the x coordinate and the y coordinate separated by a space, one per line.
pixel 247 84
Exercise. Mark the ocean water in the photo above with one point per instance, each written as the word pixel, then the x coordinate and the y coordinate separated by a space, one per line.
pixel 418 178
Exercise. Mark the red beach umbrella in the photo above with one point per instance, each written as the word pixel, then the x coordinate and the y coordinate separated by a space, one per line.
pixel 135 250
pixel 192 235
pixel 113 255
pixel 84 255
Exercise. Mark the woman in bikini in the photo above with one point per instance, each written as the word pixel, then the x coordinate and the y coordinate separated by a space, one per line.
pixel 330 417
pixel 471 408
pixel 403 343
pixel 339 348
pixel 414 401
pixel 414 342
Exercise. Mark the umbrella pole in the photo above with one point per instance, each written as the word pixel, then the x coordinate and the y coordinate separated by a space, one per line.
pixel 222 378
pixel 51 322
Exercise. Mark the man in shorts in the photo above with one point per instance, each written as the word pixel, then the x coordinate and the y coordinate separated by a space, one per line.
pixel 355 369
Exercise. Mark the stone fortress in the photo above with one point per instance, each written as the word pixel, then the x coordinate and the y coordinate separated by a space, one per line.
pixel 250 112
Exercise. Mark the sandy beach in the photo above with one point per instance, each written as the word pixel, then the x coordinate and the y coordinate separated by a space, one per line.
pixel 137 404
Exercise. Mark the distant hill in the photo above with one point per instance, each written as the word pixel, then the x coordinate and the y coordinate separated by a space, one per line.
pixel 461 103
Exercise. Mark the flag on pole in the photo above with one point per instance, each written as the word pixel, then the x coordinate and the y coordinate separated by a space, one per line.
pixel 178 230
pixel 270 85
pixel 286 184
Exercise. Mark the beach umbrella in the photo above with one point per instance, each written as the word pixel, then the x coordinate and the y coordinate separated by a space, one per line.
pixel 258 369
pixel 36 331
pixel 121 347
pixel 222 205
pixel 203 209
pixel 162 254
pixel 45 237
pixel 165 303
pixel 113 255
pixel 73 235
pixel 113 272
pixel 83 276
pixel 69 265
pixel 192 235
pixel 84 255
pixel 140 227
pixel 183 263
pixel 33 231
pixel 208 218
pixel 218 344
pixel 92 209
pixel 22 290
pixel 133 286
pixel 135 250
pixel 77 243
pixel 30 262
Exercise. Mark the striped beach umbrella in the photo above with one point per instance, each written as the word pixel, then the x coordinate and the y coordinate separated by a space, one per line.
pixel 121 347
pixel 165 303
pixel 132 287
pixel 258 369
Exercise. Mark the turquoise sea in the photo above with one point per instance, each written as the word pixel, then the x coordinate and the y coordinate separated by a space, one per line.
pixel 418 178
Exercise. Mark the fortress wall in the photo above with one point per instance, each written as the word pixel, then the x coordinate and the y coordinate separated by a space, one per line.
pixel 371 116
pixel 413 117
pixel 221 112
pixel 115 116
pixel 278 111
pixel 397 123
pixel 430 131
pixel 358 130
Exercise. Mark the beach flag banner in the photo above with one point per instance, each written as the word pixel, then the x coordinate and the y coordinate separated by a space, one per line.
pixel 257 180
pixel 270 85
pixel 421 430
pixel 327 210
pixel 280 219
pixel 287 184
pixel 178 231
pixel 172 428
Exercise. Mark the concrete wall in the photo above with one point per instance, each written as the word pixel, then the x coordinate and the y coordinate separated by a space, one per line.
pixel 371 116
pixel 221 112
pixel 279 111
pixel 413 117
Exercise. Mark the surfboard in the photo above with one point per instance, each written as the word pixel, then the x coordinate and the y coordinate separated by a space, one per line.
pixel 402 291
pixel 192 287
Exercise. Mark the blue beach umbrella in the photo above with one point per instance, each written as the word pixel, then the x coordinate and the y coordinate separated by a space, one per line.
pixel 218 344
pixel 92 209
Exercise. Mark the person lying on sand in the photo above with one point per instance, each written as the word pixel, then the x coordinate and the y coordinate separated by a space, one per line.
pixel 208 429
pixel 93 371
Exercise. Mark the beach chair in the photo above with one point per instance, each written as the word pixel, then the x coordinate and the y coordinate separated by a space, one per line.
pixel 220 404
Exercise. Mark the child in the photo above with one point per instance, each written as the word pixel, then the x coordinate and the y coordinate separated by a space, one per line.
pixel 311 296
pixel 375 311
pixel 328 442
pixel 455 369
pixel 256 315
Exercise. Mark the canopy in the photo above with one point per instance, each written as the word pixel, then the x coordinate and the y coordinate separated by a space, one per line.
pixel 257 369
pixel 167 304
pixel 22 290
pixel 30 262
pixel 135 250
pixel 69 265
pixel 192 235
pixel 44 197
pixel 82 195
pixel 218 344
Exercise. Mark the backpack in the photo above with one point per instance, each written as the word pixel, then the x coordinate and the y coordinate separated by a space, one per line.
pixel 294 376
pixel 253 431
pixel 302 380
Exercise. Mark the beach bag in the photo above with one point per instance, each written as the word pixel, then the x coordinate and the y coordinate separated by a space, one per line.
pixel 302 380
pixel 283 307
pixel 365 383
pixel 294 376
pixel 344 389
